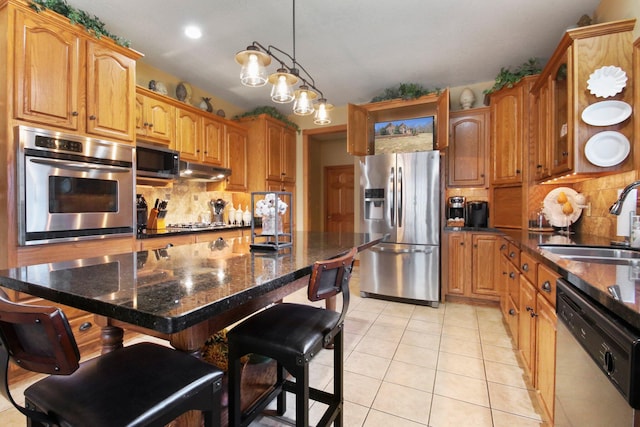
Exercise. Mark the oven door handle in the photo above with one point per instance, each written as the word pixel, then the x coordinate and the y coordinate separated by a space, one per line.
pixel 80 166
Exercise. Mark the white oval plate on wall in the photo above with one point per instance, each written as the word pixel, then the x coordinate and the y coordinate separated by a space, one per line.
pixel 606 113
pixel 607 148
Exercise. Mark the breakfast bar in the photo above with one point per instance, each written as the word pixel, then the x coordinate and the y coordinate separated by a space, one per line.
pixel 184 292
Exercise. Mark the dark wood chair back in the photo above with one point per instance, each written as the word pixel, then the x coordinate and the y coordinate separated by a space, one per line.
pixel 38 338
pixel 331 277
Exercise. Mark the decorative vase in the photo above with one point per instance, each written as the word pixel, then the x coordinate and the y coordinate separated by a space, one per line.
pixel 206 105
pixel 183 92
pixel 467 98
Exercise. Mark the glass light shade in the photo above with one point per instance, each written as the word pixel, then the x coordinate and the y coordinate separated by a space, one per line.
pixel 253 72
pixel 282 90
pixel 303 106
pixel 322 112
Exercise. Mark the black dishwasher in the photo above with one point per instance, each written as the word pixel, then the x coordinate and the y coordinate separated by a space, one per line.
pixel 597 364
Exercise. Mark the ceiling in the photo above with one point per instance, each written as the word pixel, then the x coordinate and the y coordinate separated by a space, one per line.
pixel 353 49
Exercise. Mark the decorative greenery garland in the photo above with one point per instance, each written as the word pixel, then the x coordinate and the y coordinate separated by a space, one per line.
pixel 405 91
pixel 507 78
pixel 92 23
pixel 272 111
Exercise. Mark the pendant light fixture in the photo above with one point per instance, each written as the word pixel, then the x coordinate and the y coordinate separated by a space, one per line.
pixel 254 60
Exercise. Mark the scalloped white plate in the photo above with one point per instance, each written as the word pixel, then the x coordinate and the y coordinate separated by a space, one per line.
pixel 607 81
pixel 606 113
pixel 607 148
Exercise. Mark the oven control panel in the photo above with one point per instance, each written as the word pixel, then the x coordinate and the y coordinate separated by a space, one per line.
pixel 58 144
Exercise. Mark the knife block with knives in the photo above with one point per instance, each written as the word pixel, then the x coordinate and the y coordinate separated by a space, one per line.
pixel 157 214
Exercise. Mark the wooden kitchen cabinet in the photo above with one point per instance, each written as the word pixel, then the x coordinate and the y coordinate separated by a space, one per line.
pixel 472 269
pixel 545 374
pixel 67 79
pixel 187 140
pixel 527 325
pixel 274 145
pixel 213 143
pixel 236 157
pixel 362 118
pixel 469 134
pixel 155 118
pixel 509 132
pixel 562 95
pixel 541 155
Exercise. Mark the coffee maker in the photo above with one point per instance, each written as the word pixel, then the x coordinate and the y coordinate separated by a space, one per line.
pixel 455 207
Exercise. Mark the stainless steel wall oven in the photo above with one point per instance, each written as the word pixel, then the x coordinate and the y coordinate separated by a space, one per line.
pixel 72 187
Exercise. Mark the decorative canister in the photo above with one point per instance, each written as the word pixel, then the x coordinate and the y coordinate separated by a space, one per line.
pixel 232 214
pixel 238 216
pixel 246 217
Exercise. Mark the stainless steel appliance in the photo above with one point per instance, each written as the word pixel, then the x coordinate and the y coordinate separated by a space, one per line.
pixel 72 187
pixel 202 172
pixel 597 360
pixel 153 161
pixel 217 208
pixel 455 208
pixel 142 213
pixel 401 198
pixel 477 214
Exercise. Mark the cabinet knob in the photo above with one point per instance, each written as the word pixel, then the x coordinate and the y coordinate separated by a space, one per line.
pixel 546 286
pixel 74 113
pixel 503 247
pixel 517 171
pixel 85 326
pixel 525 267
pixel 533 314
pixel 538 166
pixel 512 275
pixel 565 153
pixel 512 311
pixel 145 124
pixel 461 243
pixel 150 125
pixel 512 254
pixel 92 117
pixel 481 175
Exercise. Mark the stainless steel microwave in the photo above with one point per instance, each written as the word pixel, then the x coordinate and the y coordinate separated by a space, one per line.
pixel 153 161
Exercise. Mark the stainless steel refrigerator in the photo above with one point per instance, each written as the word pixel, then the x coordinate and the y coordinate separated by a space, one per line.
pixel 401 197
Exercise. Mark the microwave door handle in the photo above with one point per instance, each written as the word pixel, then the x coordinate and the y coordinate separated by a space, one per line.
pixel 81 166
pixel 400 200
pixel 391 197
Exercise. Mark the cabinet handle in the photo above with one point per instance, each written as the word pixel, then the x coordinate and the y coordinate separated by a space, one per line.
pixel 533 314
pixel 145 124
pixel 529 308
pixel 475 246
pixel 92 117
pixel 461 243
pixel 565 153
pixel 517 171
pixel 512 311
pixel 512 254
pixel 512 275
pixel 538 166
pixel 85 326
pixel 525 267
pixel 546 286
pixel 503 247
pixel 74 113
pixel 481 175
pixel 150 125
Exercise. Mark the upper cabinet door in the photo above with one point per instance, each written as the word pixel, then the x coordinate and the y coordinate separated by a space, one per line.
pixel 212 141
pixel 47 73
pixel 187 134
pixel 507 135
pixel 467 152
pixel 442 129
pixel 359 131
pixel 288 155
pixel 110 82
pixel 236 152
pixel 274 150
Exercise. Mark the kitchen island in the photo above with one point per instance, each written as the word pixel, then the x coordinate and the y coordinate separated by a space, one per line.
pixel 181 293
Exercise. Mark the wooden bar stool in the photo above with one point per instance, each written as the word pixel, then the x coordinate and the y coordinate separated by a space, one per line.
pixel 140 385
pixel 292 334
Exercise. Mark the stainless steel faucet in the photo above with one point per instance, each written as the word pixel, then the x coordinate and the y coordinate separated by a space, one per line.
pixel 616 208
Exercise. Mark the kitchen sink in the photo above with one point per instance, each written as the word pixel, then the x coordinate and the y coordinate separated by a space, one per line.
pixel 600 254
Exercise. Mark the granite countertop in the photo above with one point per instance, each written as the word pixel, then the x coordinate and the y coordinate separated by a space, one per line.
pixel 595 279
pixel 169 290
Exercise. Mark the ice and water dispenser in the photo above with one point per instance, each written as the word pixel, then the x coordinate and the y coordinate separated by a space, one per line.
pixel 374 203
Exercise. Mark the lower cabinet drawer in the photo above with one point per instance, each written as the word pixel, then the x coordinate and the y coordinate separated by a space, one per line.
pixel 546 283
pixel 86 333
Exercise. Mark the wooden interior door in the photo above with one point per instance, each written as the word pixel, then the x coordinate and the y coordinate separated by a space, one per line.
pixel 339 195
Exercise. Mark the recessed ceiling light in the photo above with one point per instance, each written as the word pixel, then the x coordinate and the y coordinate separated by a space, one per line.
pixel 193 32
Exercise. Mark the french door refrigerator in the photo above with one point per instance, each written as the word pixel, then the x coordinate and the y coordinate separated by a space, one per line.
pixel 401 198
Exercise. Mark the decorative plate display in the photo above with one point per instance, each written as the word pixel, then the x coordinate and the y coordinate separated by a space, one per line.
pixel 607 81
pixel 607 148
pixel 606 113
pixel 556 201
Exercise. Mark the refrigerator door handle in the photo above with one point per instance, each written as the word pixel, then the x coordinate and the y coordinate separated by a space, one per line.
pixel 400 201
pixel 379 248
pixel 391 196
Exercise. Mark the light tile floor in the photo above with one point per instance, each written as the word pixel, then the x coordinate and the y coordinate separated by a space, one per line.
pixel 411 365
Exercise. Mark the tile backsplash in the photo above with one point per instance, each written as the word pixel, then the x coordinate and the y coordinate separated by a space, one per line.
pixel 189 200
